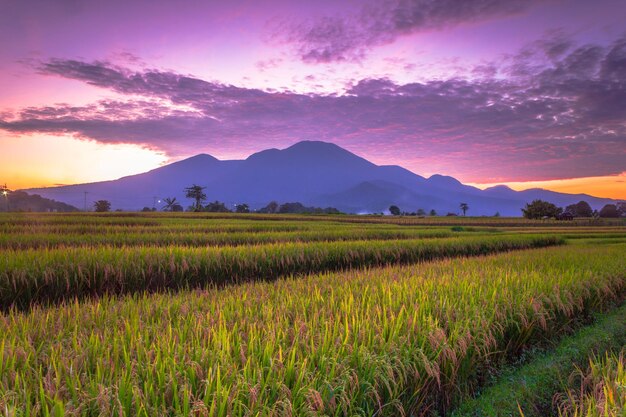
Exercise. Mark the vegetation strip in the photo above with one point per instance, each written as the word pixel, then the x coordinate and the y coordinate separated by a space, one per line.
pixel 602 388
pixel 192 238
pixel 52 275
pixel 532 387
pixel 388 341
pixel 156 218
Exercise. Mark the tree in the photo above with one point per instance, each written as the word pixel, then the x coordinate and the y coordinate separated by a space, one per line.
pixel 621 207
pixel 102 206
pixel 196 192
pixel 610 210
pixel 580 209
pixel 394 210
pixel 171 203
pixel 464 207
pixel 497 214
pixel 433 212
pixel 243 208
pixel 421 212
pixel 539 209
pixel 296 208
pixel 216 207
pixel 272 207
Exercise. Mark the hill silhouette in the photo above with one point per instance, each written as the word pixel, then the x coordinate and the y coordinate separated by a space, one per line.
pixel 311 172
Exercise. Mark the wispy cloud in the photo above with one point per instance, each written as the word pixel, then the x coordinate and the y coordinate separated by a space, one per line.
pixel 340 38
pixel 560 112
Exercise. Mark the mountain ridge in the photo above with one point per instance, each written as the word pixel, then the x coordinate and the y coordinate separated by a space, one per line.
pixel 314 173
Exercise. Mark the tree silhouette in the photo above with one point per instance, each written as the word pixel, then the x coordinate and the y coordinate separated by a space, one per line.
pixel 464 207
pixel 196 192
pixel 216 207
pixel 272 207
pixel 102 206
pixel 170 202
pixel 433 212
pixel 580 209
pixel 539 209
pixel 609 210
pixel 243 208
pixel 394 210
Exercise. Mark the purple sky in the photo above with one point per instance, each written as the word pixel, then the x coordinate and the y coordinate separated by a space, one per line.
pixel 484 90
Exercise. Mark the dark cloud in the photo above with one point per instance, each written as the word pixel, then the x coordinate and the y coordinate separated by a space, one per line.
pixel 335 38
pixel 561 114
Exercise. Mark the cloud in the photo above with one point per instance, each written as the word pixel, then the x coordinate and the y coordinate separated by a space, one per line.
pixel 341 38
pixel 560 113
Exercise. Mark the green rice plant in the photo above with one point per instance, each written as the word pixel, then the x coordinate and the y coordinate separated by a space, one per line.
pixel 195 238
pixel 393 341
pixel 50 275
pixel 156 218
pixel 602 388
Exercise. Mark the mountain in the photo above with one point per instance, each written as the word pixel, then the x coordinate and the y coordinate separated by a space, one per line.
pixel 22 201
pixel 313 173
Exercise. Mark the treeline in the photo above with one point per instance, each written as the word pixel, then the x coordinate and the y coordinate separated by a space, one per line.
pixel 540 209
pixel 197 194
pixel 271 208
pixel 395 211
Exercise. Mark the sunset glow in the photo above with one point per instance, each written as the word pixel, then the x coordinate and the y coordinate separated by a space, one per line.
pixel 65 160
pixel 526 93
pixel 613 186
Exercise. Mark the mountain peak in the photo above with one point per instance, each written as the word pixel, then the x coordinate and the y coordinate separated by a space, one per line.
pixel 314 144
pixel 310 152
pixel 500 187
pixel 201 157
pixel 196 162
pixel 443 180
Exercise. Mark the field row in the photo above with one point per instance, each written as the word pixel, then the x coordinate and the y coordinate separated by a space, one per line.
pixel 148 219
pixel 199 239
pixel 193 238
pixel 49 275
pixel 385 342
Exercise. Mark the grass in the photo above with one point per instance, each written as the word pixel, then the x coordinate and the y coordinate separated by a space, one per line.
pixel 529 390
pixel 399 340
pixel 602 387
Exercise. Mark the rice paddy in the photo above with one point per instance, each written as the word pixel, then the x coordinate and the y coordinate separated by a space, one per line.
pixel 226 315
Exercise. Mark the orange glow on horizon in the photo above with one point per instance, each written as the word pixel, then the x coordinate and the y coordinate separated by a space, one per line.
pixel 613 186
pixel 45 161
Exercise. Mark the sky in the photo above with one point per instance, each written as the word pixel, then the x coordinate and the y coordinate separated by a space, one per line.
pixel 520 92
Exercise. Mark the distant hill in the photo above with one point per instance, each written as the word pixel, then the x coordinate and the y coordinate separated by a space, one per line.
pixel 22 201
pixel 314 173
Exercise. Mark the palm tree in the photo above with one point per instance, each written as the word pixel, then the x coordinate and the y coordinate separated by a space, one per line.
pixel 464 207
pixel 169 203
pixel 196 192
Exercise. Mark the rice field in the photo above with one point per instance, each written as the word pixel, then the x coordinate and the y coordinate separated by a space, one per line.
pixel 247 315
